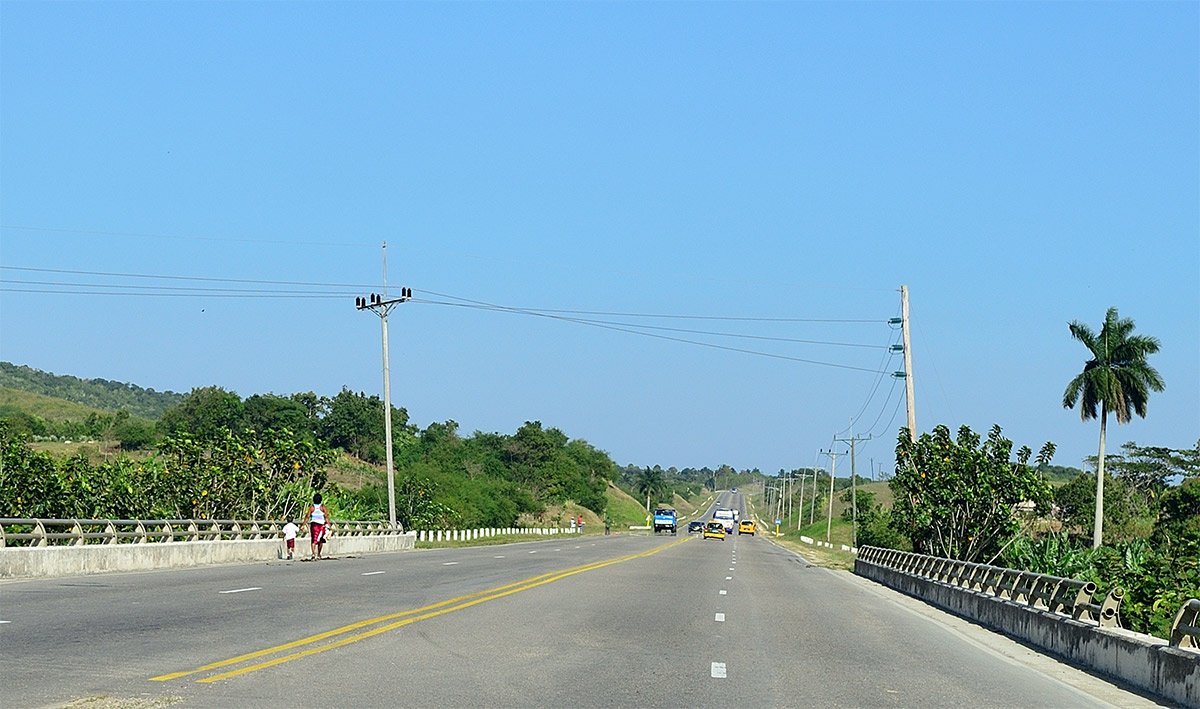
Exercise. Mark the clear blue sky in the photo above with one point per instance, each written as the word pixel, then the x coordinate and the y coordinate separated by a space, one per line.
pixel 1017 165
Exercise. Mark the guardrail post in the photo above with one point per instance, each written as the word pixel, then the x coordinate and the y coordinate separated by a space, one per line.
pixel 1083 600
pixel 1184 632
pixel 1110 608
pixel 77 530
pixel 111 530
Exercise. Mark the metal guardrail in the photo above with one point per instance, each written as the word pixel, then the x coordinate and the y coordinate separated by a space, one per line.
pixel 79 532
pixel 1070 597
pixel 1184 631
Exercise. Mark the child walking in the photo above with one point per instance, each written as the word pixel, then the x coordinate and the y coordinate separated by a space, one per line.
pixel 289 536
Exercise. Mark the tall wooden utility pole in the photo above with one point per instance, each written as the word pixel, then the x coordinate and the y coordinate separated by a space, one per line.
pixel 908 370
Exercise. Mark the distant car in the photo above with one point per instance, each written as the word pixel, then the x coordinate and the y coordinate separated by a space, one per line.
pixel 714 530
pixel 695 527
pixel 745 527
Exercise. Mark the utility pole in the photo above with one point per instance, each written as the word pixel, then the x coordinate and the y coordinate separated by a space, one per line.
pixel 800 517
pixel 812 510
pixel 908 370
pixel 832 475
pixel 381 305
pixel 853 484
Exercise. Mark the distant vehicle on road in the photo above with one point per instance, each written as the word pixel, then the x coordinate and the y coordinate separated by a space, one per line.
pixel 726 517
pixel 695 526
pixel 715 529
pixel 664 520
pixel 746 526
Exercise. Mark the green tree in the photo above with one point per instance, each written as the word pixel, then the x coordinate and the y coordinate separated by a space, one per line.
pixel 1179 516
pixel 207 412
pixel 268 412
pixel 649 482
pixel 958 498
pixel 354 423
pixel 134 434
pixel 1117 379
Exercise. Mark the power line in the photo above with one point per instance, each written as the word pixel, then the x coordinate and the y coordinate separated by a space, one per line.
pixel 360 286
pixel 59 291
pixel 165 277
pixel 616 328
pixel 101 289
pixel 176 237
pixel 670 316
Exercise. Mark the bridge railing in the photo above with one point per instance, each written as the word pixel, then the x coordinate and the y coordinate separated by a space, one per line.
pixel 18 532
pixel 78 532
pixel 1184 631
pixel 1070 597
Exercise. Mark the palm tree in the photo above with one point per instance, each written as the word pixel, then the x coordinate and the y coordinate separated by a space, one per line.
pixel 1118 379
pixel 649 482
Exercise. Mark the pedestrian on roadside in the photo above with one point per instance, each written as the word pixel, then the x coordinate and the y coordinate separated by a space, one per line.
pixel 607 525
pixel 318 520
pixel 289 537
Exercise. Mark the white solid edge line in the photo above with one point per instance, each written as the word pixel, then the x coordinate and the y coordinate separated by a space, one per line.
pixel 373 573
pixel 240 590
pixel 718 670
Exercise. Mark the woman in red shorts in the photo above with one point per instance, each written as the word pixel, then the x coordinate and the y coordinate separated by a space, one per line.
pixel 317 519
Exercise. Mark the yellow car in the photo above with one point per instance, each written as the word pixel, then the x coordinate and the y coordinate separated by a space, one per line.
pixel 714 530
pixel 746 527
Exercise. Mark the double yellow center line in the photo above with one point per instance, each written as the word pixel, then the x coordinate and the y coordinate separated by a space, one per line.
pixel 363 629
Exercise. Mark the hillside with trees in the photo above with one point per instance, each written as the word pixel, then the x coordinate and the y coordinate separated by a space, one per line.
pixel 101 394
pixel 216 455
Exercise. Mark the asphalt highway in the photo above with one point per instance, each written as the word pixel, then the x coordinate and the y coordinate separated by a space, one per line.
pixel 593 621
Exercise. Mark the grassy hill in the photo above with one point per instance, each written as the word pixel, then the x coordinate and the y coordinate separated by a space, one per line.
pixel 108 396
pixel 49 408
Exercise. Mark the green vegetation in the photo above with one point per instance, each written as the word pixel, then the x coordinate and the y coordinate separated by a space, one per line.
pixel 218 456
pixel 1118 379
pixel 94 393
pixel 960 498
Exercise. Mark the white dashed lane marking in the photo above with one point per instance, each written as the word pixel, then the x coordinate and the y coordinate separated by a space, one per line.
pixel 373 573
pixel 450 563
pixel 242 590
pixel 723 592
pixel 718 670
pixel 498 557
pixel 720 618
pixel 728 578
pixel 2 622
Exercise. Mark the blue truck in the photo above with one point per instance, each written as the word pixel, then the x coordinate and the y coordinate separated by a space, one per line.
pixel 664 520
